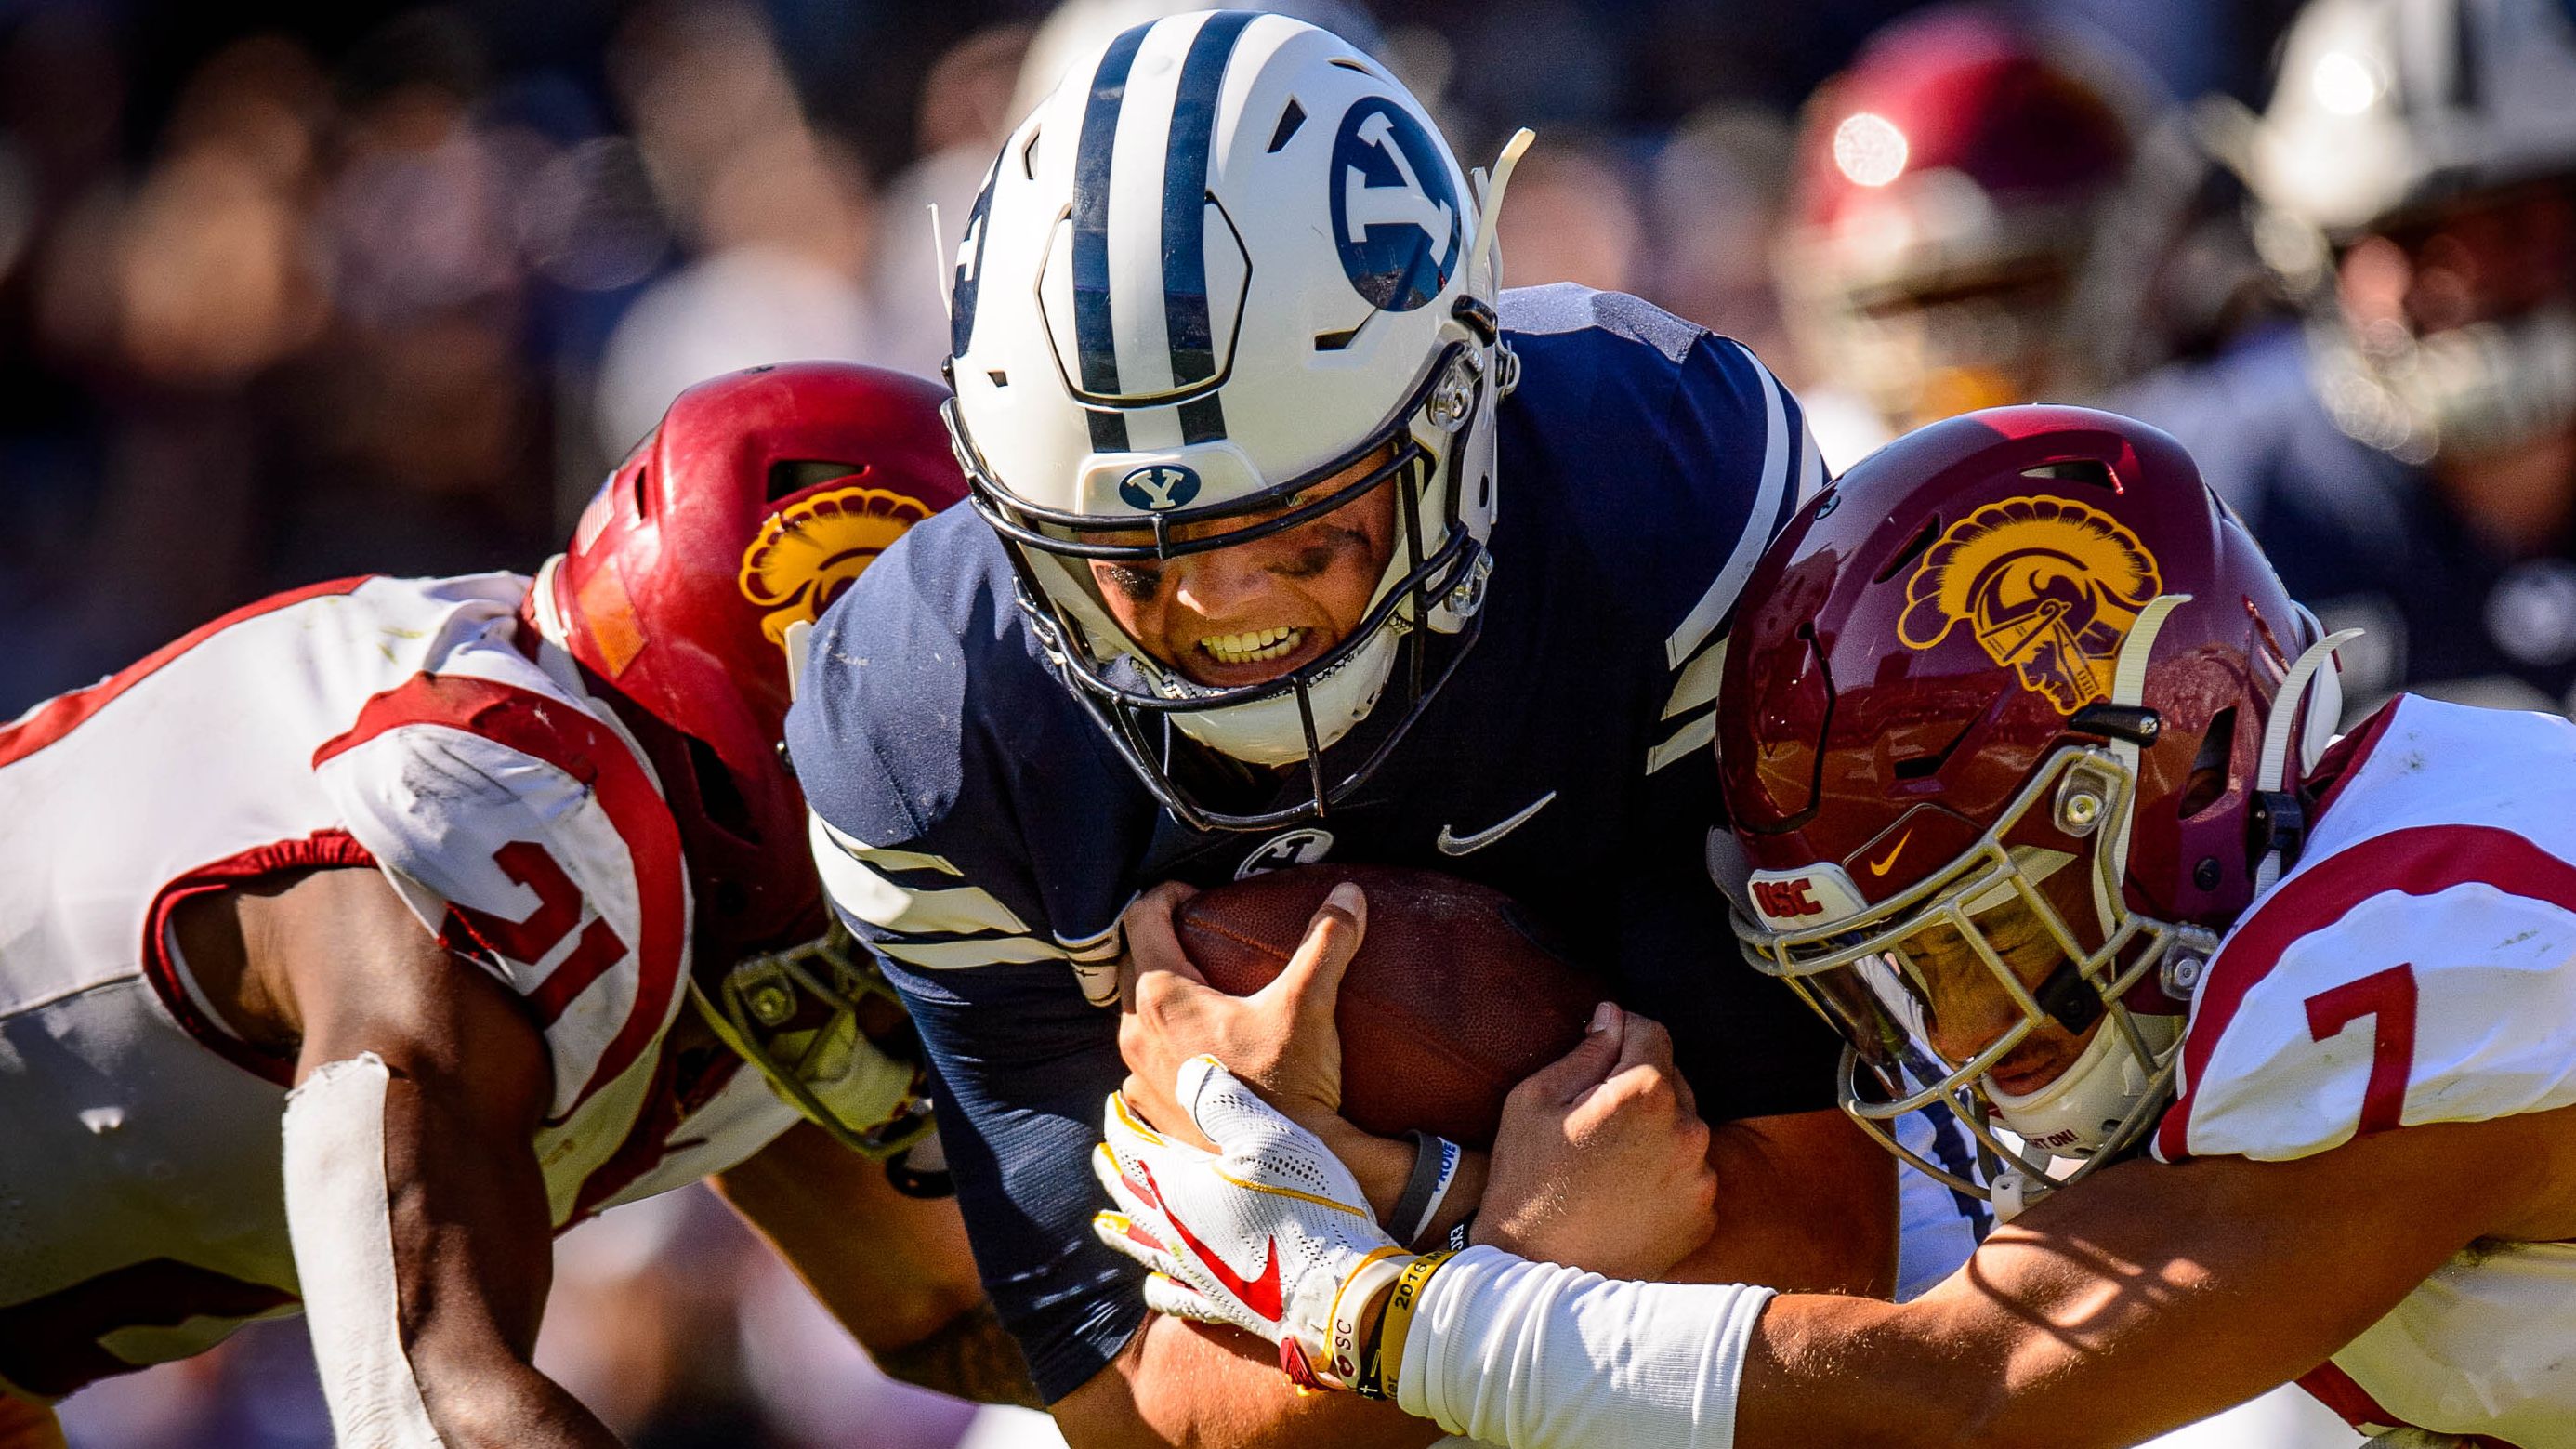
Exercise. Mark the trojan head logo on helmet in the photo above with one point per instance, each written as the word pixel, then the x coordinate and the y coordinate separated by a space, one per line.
pixel 2010 727
pixel 691 581
pixel 2047 585
pixel 1227 263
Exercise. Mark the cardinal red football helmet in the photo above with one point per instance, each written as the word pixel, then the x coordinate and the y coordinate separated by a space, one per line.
pixel 1948 246
pixel 691 581
pixel 2023 659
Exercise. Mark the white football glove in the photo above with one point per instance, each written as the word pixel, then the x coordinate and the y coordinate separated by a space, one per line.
pixel 1272 1235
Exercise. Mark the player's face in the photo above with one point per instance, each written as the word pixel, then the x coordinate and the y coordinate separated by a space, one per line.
pixel 1968 1008
pixel 2488 259
pixel 1254 611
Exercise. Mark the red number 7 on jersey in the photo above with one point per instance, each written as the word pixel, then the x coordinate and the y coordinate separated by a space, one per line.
pixel 2389 998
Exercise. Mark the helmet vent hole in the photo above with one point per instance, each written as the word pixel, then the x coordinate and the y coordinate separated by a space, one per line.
pixel 2076 470
pixel 1289 120
pixel 1928 764
pixel 795 476
pixel 1335 341
pixel 1346 63
pixel 2209 782
pixel 719 799
pixel 1913 550
pixel 999 377
pixel 1029 155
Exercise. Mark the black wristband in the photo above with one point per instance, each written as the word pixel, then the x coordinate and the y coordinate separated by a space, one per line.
pixel 1435 1162
pixel 1459 1235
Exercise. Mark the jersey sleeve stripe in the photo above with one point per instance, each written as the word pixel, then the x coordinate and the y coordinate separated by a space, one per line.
pixel 555 733
pixel 323 848
pixel 1699 734
pixel 1698 683
pixel 875 898
pixel 2422 861
pixel 965 955
pixel 1777 458
pixel 60 715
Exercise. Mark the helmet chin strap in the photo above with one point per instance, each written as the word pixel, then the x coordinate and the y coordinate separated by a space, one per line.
pixel 2272 769
pixel 2128 689
pixel 1482 252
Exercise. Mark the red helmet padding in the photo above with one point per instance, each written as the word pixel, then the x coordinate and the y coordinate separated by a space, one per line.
pixel 1900 668
pixel 751 506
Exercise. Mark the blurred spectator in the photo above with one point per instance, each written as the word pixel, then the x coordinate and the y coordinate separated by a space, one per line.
pixel 1572 216
pixel 2409 456
pixel 1989 210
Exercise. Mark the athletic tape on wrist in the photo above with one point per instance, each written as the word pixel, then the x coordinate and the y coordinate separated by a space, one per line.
pixel 1435 1166
pixel 340 1227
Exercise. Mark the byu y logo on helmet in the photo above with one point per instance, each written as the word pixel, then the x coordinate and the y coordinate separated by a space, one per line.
pixel 1395 217
pixel 1159 487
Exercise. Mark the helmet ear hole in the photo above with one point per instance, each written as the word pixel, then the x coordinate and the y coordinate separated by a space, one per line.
pixel 719 798
pixel 2211 769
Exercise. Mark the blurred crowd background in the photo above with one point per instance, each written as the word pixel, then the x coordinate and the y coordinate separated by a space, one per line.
pixel 287 294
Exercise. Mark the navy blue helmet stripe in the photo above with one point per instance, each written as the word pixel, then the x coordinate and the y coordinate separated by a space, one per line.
pixel 1093 331
pixel 1185 201
pixel 1202 420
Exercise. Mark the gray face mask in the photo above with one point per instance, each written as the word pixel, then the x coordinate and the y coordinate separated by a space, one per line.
pixel 2468 390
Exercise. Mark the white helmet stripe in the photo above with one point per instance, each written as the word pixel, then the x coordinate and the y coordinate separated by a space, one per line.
pixel 1095 331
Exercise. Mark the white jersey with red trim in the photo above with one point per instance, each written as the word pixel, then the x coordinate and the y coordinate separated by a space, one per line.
pixel 2418 966
pixel 392 723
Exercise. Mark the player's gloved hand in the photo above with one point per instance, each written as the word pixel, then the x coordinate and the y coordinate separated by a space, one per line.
pixel 1270 1233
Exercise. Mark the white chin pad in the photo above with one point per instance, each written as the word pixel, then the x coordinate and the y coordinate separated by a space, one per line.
pixel 341 1228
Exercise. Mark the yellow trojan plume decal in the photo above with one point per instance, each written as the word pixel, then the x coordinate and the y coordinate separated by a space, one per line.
pixel 805 555
pixel 2046 585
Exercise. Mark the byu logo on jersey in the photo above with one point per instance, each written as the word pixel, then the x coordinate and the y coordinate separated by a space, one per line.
pixel 1159 487
pixel 1395 215
pixel 1297 847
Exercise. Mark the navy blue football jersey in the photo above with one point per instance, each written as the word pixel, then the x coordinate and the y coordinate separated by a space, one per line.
pixel 2372 542
pixel 977 829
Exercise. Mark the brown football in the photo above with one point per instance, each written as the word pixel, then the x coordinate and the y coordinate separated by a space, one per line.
pixel 1451 1001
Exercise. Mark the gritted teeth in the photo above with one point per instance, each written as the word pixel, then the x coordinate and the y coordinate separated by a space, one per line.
pixel 1254 647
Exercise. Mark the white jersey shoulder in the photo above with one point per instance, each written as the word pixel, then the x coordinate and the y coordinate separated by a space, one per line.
pixel 397 724
pixel 2418 966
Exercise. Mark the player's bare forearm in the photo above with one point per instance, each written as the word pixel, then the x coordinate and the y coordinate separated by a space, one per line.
pixel 2153 1295
pixel 1186 1384
pixel 464 1084
pixel 969 1357
pixel 895 1270
pixel 1806 1203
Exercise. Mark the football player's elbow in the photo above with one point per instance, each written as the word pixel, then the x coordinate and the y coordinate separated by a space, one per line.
pixel 907 1312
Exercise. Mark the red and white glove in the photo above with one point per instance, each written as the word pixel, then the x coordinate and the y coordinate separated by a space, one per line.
pixel 1271 1234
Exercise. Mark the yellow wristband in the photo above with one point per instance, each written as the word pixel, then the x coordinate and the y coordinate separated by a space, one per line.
pixel 1398 1319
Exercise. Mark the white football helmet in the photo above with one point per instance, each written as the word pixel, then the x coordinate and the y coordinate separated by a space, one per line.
pixel 2384 110
pixel 1229 258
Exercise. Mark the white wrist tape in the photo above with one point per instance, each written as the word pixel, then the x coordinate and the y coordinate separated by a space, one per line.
pixel 1538 1356
pixel 338 1221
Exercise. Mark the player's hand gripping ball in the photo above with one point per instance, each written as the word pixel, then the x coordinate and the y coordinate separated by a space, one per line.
pixel 1449 1003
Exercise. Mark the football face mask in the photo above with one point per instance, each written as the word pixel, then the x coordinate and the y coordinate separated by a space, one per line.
pixel 1986 987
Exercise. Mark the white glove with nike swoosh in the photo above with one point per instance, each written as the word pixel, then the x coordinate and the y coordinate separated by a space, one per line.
pixel 1272 1235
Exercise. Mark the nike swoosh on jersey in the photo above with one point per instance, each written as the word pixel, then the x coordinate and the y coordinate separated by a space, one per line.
pixel 1880 866
pixel 1469 844
pixel 1260 1293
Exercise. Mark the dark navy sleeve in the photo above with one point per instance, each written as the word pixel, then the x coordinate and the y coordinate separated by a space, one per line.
pixel 909 739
